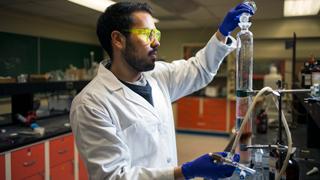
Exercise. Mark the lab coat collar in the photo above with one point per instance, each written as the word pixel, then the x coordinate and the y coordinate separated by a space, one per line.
pixel 113 84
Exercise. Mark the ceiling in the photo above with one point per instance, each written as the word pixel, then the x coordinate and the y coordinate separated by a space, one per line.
pixel 173 14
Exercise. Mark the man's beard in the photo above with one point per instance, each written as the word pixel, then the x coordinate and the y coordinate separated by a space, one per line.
pixel 140 64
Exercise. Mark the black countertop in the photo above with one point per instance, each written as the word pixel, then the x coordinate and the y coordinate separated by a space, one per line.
pixel 8 89
pixel 306 157
pixel 312 108
pixel 14 136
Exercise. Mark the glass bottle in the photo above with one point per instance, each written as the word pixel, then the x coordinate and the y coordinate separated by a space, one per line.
pixel 316 73
pixel 258 166
pixel 311 65
pixel 306 76
pixel 244 72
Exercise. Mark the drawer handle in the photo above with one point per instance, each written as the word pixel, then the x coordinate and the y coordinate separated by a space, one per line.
pixel 29 163
pixel 201 123
pixel 62 151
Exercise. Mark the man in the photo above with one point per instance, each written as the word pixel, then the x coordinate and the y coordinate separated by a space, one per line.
pixel 122 120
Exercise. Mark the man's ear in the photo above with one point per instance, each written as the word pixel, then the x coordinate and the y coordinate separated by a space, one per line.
pixel 118 40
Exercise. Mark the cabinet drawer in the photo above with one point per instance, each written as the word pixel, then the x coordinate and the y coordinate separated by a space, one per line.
pixel 215 112
pixel 61 150
pixel 27 162
pixel 203 125
pixel 2 168
pixel 194 109
pixel 62 171
pixel 185 123
pixel 187 115
pixel 215 107
pixel 186 119
pixel 189 102
pixel 213 103
pixel 38 176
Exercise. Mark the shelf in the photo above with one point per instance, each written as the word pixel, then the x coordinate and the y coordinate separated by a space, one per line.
pixel 8 89
pixel 22 94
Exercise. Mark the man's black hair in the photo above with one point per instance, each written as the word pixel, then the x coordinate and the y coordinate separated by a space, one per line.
pixel 117 17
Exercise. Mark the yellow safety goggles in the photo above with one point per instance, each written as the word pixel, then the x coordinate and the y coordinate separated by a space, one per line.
pixel 147 35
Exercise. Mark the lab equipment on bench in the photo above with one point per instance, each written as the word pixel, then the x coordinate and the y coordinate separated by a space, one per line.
pixel 245 105
pixel 279 148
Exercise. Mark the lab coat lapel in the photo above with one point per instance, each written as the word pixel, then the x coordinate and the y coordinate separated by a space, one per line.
pixel 137 99
pixel 157 97
pixel 113 84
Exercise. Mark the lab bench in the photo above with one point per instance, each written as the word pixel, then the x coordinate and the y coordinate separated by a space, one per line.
pixel 24 155
pixel 312 117
pixel 306 157
pixel 51 156
pixel 16 135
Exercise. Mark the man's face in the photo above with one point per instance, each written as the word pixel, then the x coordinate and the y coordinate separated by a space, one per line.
pixel 138 52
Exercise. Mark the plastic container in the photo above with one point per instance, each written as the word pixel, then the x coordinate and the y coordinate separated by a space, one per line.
pixel 272 78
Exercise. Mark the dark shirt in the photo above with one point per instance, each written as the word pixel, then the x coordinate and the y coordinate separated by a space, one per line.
pixel 144 91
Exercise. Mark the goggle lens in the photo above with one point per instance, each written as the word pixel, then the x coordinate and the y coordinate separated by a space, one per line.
pixel 147 35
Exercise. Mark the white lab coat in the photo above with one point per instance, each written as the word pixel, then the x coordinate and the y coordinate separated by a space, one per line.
pixel 122 136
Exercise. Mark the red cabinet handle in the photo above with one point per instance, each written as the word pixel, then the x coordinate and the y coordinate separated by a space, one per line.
pixel 62 151
pixel 29 163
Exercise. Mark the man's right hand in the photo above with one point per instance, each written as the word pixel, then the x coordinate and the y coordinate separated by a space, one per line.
pixel 205 167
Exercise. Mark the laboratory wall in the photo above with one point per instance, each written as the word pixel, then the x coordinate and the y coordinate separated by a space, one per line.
pixel 47 28
pixel 32 44
pixel 270 37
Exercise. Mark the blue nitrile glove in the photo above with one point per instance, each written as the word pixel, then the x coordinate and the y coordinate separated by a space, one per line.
pixel 231 20
pixel 205 167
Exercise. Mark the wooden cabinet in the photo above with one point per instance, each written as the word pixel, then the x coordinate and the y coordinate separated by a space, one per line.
pixel 198 113
pixel 2 168
pixel 28 163
pixel 83 174
pixel 62 158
